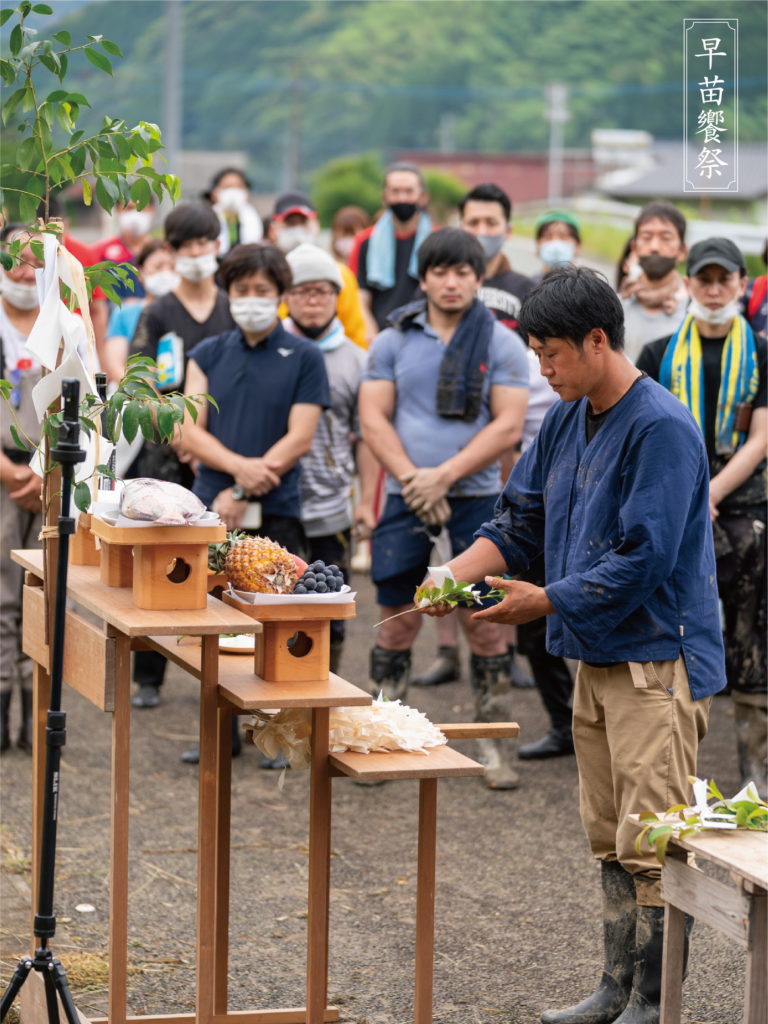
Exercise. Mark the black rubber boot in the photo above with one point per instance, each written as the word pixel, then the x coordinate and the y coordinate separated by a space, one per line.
pixel 644 1006
pixel 444 669
pixel 555 743
pixel 491 681
pixel 147 696
pixel 5 727
pixel 24 738
pixel 620 912
pixel 192 756
pixel 389 673
pixel 555 687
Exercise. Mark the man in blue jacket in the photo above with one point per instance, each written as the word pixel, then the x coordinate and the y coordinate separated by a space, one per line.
pixel 615 492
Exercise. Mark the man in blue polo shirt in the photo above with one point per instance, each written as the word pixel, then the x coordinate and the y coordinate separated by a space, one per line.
pixel 615 492
pixel 270 387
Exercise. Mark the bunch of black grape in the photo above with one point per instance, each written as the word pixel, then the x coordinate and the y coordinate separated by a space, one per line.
pixel 320 578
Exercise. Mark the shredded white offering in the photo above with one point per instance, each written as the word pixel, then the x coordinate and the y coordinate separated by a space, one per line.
pixel 382 726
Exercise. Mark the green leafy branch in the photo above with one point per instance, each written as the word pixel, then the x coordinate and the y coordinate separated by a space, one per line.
pixel 451 593
pixel 749 812
pixel 54 153
pixel 135 406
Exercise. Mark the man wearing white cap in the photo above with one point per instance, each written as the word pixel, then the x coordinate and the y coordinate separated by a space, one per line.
pixel 328 468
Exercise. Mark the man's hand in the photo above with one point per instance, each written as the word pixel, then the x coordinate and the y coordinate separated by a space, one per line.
pixel 524 602
pixel 230 511
pixel 28 486
pixel 364 520
pixel 256 476
pixel 435 611
pixel 424 488
pixel 437 515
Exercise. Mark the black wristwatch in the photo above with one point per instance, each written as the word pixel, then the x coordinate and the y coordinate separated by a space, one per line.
pixel 238 493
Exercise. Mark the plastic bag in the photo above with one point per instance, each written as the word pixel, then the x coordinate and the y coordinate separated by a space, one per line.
pixel 159 501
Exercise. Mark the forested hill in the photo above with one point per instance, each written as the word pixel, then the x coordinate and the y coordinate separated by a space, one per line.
pixel 342 76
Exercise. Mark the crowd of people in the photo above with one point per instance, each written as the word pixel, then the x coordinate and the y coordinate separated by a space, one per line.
pixel 598 453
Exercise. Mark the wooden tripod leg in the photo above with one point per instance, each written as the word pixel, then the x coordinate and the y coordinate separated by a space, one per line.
pixel 41 698
pixel 319 870
pixel 207 832
pixel 425 901
pixel 118 854
pixel 223 811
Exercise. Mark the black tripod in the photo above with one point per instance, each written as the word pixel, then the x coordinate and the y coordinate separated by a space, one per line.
pixel 67 452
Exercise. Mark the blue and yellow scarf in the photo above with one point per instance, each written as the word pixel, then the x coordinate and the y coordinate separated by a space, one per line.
pixel 682 373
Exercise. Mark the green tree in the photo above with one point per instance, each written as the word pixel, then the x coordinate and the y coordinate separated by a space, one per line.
pixel 445 192
pixel 348 181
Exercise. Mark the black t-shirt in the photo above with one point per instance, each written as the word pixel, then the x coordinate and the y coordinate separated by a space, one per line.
pixel 405 288
pixel 503 294
pixel 650 360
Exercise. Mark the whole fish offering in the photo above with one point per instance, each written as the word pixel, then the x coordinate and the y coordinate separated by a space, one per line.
pixel 159 501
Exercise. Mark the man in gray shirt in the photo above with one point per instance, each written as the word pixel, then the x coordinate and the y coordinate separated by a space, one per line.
pixel 443 396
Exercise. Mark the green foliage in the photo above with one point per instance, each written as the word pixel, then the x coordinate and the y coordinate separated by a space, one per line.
pixel 348 181
pixel 453 594
pixel 113 162
pixel 750 814
pixel 445 192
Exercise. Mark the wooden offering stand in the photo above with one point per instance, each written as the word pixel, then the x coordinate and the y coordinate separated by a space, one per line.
pixel 166 565
pixel 97 665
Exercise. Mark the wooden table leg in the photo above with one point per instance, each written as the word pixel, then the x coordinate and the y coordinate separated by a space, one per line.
pixel 207 831
pixel 318 889
pixel 118 854
pixel 223 812
pixel 425 901
pixel 672 965
pixel 756 987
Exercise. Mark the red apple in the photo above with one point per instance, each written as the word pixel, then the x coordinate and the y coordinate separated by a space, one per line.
pixel 301 565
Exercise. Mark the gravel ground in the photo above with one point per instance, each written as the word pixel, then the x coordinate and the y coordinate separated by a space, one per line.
pixel 517 893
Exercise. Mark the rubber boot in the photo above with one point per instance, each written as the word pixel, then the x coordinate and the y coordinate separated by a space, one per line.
pixel 444 669
pixel 519 679
pixel 5 728
pixel 491 681
pixel 619 927
pixel 192 756
pixel 389 673
pixel 750 717
pixel 24 738
pixel 645 1000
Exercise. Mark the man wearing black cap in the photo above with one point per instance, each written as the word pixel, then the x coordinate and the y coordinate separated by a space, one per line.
pixel 293 223
pixel 717 367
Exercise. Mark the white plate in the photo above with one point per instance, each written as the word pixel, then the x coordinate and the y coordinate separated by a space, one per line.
pixel 343 596
pixel 245 643
pixel 110 514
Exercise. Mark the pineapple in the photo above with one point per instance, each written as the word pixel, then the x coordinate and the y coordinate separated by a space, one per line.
pixel 217 553
pixel 258 565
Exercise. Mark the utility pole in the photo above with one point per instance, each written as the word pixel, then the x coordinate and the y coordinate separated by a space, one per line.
pixel 172 85
pixel 557 115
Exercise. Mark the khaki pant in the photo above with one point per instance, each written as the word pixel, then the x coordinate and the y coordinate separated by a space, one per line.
pixel 636 730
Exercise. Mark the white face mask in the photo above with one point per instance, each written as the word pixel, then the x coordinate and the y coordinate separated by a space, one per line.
pixel 232 199
pixel 22 296
pixel 343 246
pixel 724 315
pixel 253 315
pixel 289 238
pixel 161 283
pixel 135 223
pixel 196 268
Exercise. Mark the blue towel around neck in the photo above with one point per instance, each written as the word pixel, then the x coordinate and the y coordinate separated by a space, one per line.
pixel 380 258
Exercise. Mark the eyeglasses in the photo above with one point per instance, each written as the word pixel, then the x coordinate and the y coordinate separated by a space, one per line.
pixel 322 291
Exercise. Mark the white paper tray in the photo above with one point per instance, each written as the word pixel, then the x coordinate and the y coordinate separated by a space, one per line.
pixel 343 596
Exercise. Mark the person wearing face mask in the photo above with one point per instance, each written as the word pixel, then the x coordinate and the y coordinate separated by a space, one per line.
pixel 133 233
pixel 328 469
pixel 230 194
pixel 654 299
pixel 293 223
pixel 168 329
pixel 385 257
pixel 20 508
pixel 558 240
pixel 346 223
pixel 717 366
pixel 157 277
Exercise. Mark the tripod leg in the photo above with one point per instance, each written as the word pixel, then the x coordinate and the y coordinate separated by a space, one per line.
pixel 50 995
pixel 18 978
pixel 58 980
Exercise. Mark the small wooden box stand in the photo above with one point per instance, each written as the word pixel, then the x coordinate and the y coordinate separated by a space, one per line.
pixel 167 566
pixel 295 642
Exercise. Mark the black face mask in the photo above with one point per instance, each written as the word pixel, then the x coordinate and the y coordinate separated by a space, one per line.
pixel 314 332
pixel 403 211
pixel 655 266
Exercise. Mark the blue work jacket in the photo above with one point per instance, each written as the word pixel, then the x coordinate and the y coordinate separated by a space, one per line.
pixel 624 525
